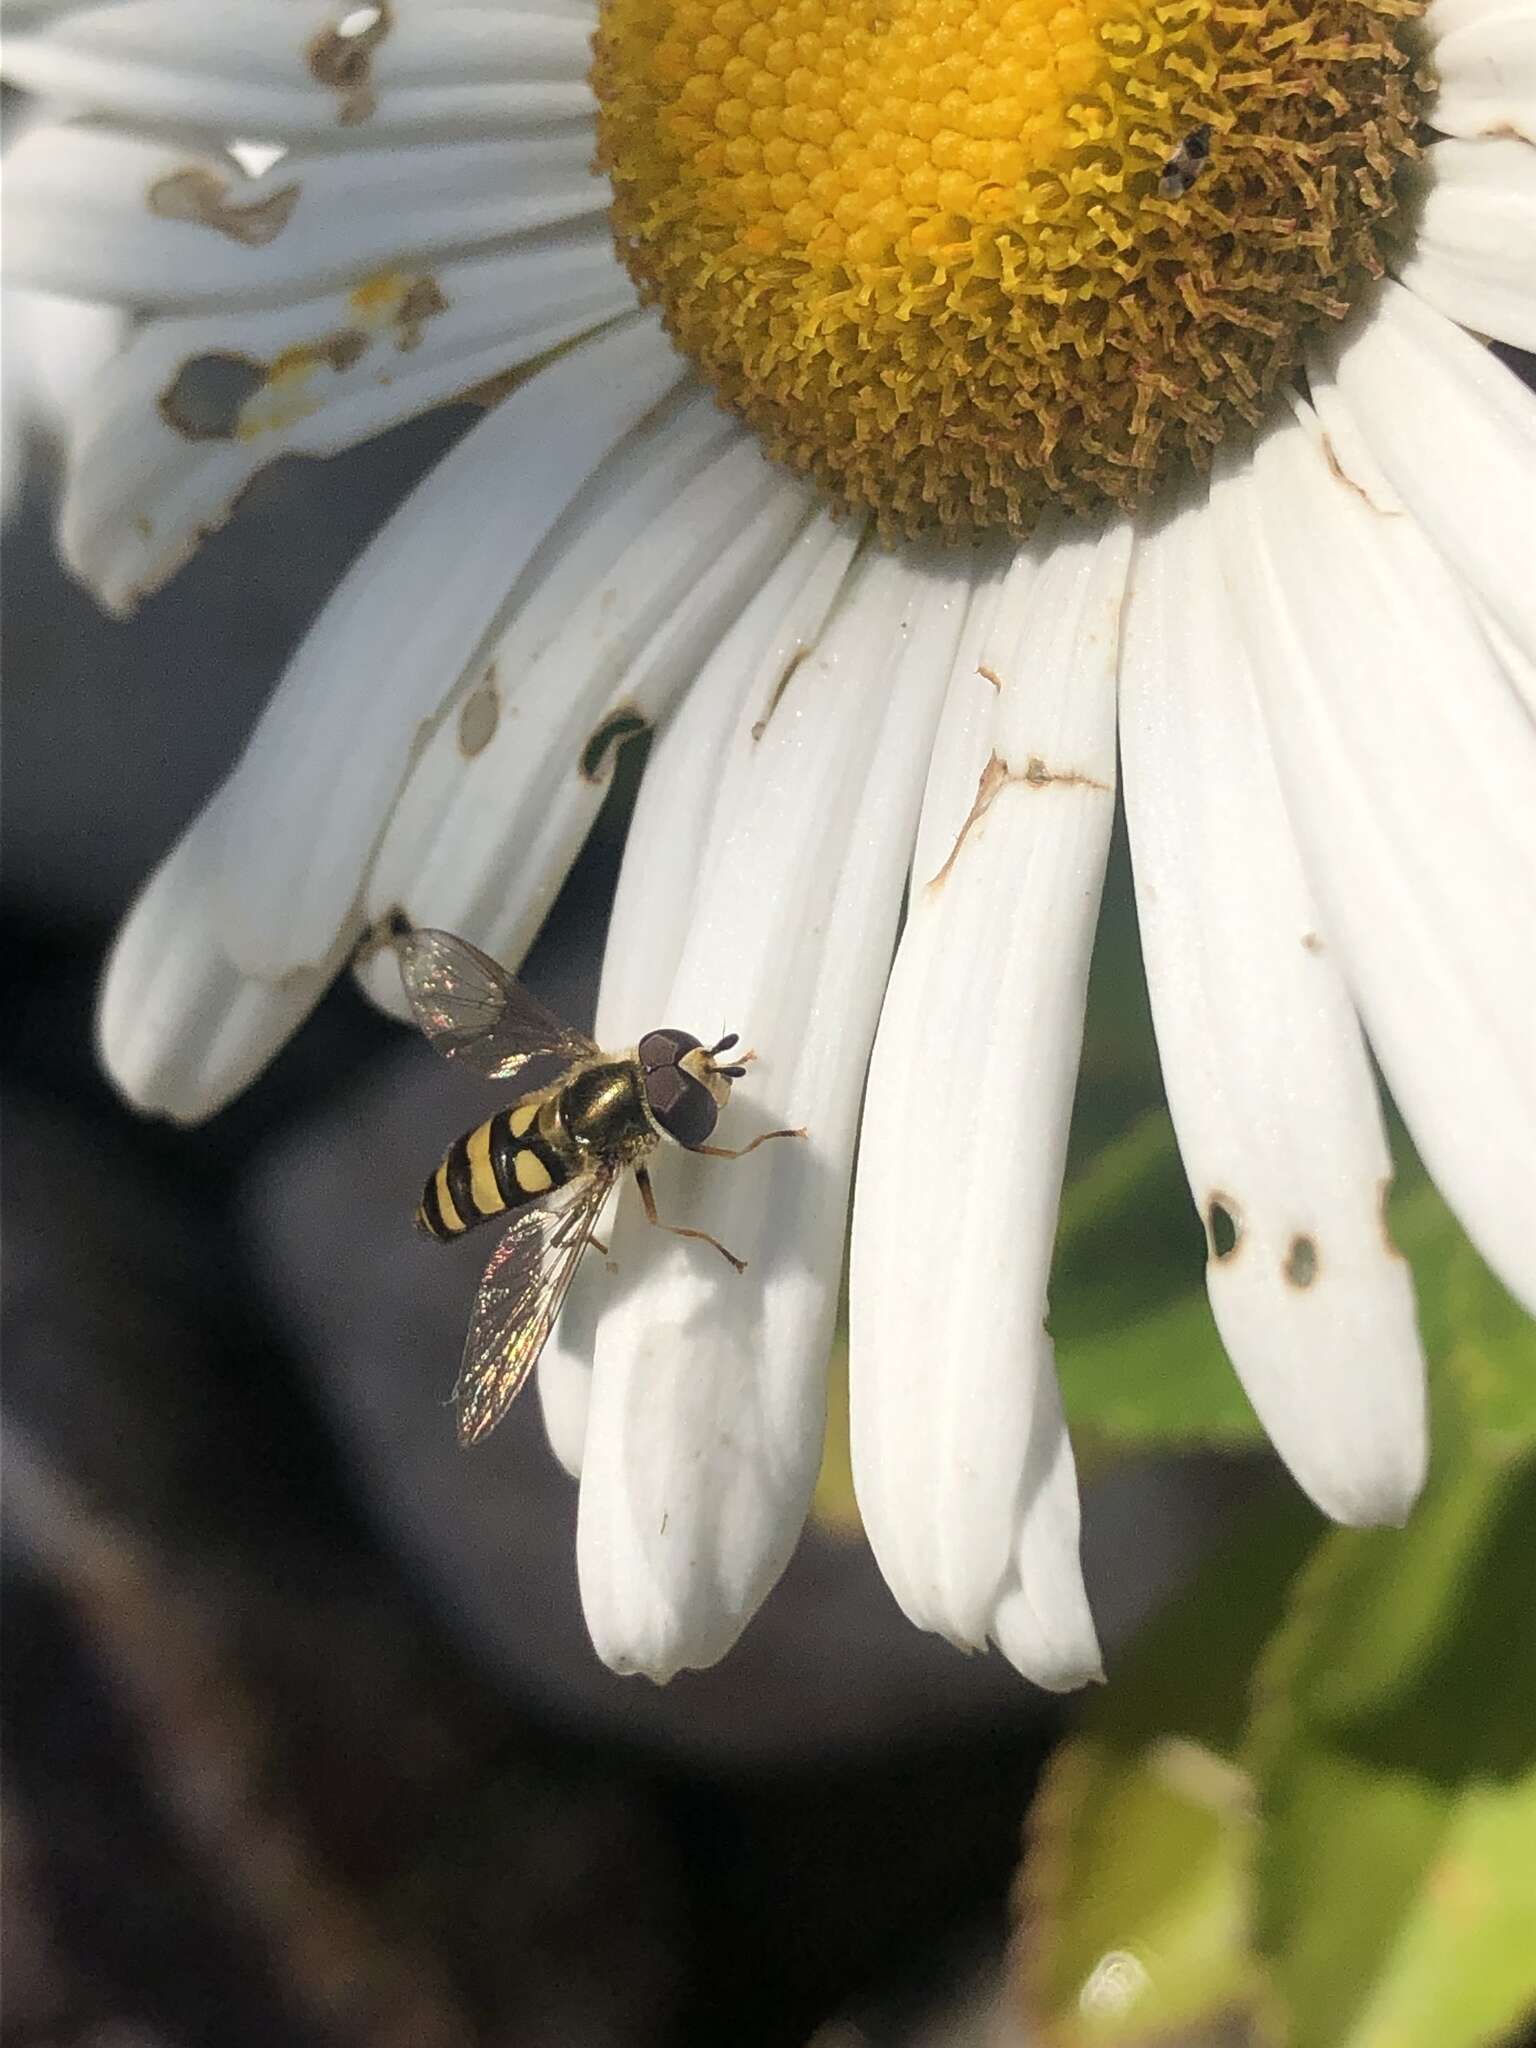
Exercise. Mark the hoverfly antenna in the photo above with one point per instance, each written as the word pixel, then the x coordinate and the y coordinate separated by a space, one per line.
pixel 725 1043
pixel 731 1073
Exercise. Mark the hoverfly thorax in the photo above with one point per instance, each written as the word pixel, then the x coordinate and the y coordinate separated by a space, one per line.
pixel 685 1086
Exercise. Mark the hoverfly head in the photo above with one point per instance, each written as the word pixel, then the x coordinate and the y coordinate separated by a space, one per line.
pixel 685 1083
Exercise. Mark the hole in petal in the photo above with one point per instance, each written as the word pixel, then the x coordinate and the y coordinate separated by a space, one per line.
pixel 1300 1267
pixel 198 196
pixel 341 59
pixel 204 400
pixel 619 726
pixel 1223 1226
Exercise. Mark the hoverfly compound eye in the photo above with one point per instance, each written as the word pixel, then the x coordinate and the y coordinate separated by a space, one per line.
pixel 665 1048
pixel 679 1101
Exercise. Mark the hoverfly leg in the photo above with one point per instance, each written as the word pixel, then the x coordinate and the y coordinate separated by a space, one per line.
pixel 725 1151
pixel 648 1202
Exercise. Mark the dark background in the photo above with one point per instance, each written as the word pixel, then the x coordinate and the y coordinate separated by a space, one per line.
pixel 303 1739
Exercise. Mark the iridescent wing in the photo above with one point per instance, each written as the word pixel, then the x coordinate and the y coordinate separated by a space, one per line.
pixel 519 1299
pixel 474 1012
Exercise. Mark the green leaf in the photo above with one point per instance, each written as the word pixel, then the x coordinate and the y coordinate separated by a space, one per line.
pixel 1351 1861
pixel 1140 1362
pixel 1395 1748
pixel 1480 1338
pixel 1135 1880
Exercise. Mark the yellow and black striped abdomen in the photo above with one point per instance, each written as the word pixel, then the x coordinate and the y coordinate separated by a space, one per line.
pixel 512 1158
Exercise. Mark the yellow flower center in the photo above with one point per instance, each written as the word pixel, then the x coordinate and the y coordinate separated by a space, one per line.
pixel 960 260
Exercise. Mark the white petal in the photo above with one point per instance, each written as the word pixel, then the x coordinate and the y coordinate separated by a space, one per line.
pixel 1486 73
pixel 708 1397
pixel 304 809
pixel 961 1460
pixel 1444 18
pixel 483 836
pixel 180 1029
pixel 1455 433
pixel 663 864
pixel 249 68
pixel 55 350
pixel 1474 246
pixel 1265 1070
pixel 1409 772
pixel 635 486
pixel 175 429
pixel 100 215
pixel 1518 664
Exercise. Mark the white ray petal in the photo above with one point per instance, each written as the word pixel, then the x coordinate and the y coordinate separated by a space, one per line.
pixel 101 215
pixel 247 67
pixel 635 486
pixel 1455 433
pixel 1266 1073
pixel 1517 663
pixel 1486 75
pixel 705 1429
pixel 1408 769
pixel 666 859
pixel 170 435
pixel 663 867
pixel 961 1460
pixel 1444 18
pixel 486 848
pixel 304 809
pixel 1474 245
pixel 180 1029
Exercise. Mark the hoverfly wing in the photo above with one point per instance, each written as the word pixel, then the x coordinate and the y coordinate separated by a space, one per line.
pixel 520 1295
pixel 474 1012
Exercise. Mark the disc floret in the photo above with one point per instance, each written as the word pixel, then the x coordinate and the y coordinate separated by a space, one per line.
pixel 936 254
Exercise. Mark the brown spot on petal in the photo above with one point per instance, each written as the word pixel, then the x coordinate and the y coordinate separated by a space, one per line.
pixel 492 390
pixel 1038 776
pixel 479 716
pixel 202 198
pixel 997 775
pixel 1223 1226
pixel 343 62
pixel 1341 475
pixel 623 723
pixel 422 302
pixel 342 349
pixel 989 675
pixel 204 400
pixel 785 676
pixel 1300 1268
pixel 992 779
pixel 1311 942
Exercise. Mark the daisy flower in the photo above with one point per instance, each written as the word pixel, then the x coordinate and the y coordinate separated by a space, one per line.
pixel 889 406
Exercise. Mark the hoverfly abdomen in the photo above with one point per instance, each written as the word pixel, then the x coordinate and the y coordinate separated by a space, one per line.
pixel 510 1159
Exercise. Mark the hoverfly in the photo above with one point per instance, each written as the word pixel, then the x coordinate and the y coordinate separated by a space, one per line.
pixel 553 1156
pixel 1186 163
